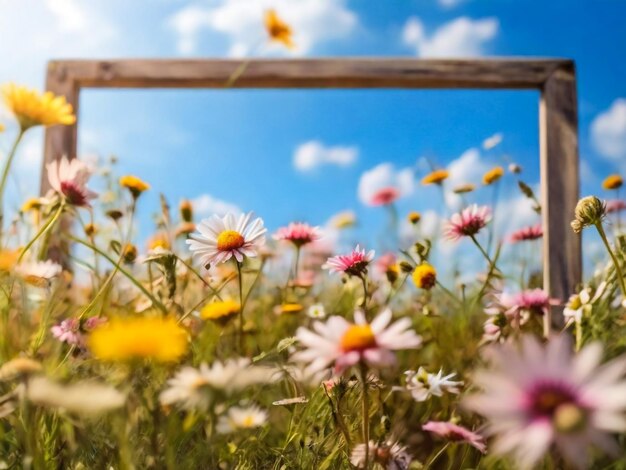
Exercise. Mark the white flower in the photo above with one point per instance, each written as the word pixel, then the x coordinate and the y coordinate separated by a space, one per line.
pixel 346 344
pixel 424 385
pixel 38 273
pixel 581 304
pixel 316 311
pixel 237 418
pixel 391 455
pixel 69 179
pixel 222 238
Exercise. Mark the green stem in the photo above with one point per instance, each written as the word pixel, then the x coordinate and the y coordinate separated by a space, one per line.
pixel 365 414
pixel 240 284
pixel 364 281
pixel 437 455
pixel 5 175
pixel 618 269
pixel 43 230
pixel 482 250
pixel 297 263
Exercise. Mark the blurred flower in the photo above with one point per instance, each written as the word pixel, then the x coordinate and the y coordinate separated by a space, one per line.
pixel 615 205
pixel 31 108
pixel 2 128
pixel 612 182
pixel 353 264
pixel 455 433
pixel 422 385
pixel 32 204
pixel 298 233
pixel 8 259
pixel 527 233
pixel 493 175
pixel 185 228
pixel 346 344
pixel 129 253
pixel 19 367
pixel 390 455
pixel 435 177
pixel 424 276
pixel 316 311
pixel 343 220
pixel 91 229
pixel 38 273
pixel 159 242
pixel 69 179
pixel 220 311
pixel 186 210
pixel 464 188
pixel 387 265
pixel 520 306
pixel 219 239
pixel 238 418
pixel 385 196
pixel 468 222
pixel 589 211
pixel 288 308
pixel 539 395
pixel 68 331
pixel 135 185
pixel 414 217
pixel 277 29
pixel 581 304
pixel 121 339
pixel 515 168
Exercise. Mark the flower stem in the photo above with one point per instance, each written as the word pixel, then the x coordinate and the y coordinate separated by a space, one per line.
pixel 45 228
pixel 297 263
pixel 364 281
pixel 5 174
pixel 240 283
pixel 618 269
pixel 366 414
pixel 482 250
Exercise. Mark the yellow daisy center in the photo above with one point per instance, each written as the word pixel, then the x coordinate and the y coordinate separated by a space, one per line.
pixel 358 338
pixel 248 422
pixel 199 383
pixel 230 240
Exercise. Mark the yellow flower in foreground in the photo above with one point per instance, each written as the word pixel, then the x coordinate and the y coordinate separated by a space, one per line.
pixel 135 185
pixel 288 309
pixel 8 259
pixel 220 311
pixel 424 276
pixel 493 175
pixel 277 29
pixel 122 339
pixel 436 177
pixel 414 217
pixel 31 108
pixel 612 182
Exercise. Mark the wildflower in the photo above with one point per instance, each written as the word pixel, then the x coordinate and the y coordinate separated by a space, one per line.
pixel 159 242
pixel 468 222
pixel 220 311
pixel 69 179
pixel 316 311
pixel 19 367
pixel 612 182
pixel 390 455
pixel 135 185
pixel 288 308
pixel 615 205
pixel 435 177
pixel 455 433
pixel 388 266
pixel 39 273
pixel 219 239
pixel 123 339
pixel 129 253
pixel 385 196
pixel 114 214
pixel 424 276
pixel 343 220
pixel 277 29
pixel 68 331
pixel 589 211
pixel 515 168
pixel 31 108
pixel 238 418
pixel 353 264
pixel 521 306
pixel 424 385
pixel 414 217
pixel 527 233
pixel 464 188
pixel 91 229
pixel 346 344
pixel 298 233
pixel 8 259
pixel 493 175
pixel 32 204
pixel 581 304
pixel 186 210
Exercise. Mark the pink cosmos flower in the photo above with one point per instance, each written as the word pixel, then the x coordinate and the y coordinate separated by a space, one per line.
pixel 468 222
pixel 454 432
pixel 527 233
pixel 537 396
pixel 68 331
pixel 615 205
pixel 385 196
pixel 354 264
pixel 345 344
pixel 520 306
pixel 298 233
pixel 69 179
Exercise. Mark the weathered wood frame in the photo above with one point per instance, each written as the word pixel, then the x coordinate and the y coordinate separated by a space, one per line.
pixel 555 79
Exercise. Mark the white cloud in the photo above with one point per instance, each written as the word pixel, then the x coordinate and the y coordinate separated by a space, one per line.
pixel 241 21
pixel 450 3
pixel 69 14
pixel 314 153
pixel 493 141
pixel 461 37
pixel 384 176
pixel 468 168
pixel 608 131
pixel 206 205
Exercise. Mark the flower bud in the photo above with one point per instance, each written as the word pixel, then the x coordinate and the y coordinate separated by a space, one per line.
pixel 589 211
pixel 186 210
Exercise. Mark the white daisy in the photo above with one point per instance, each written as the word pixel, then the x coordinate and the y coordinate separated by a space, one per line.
pixel 424 385
pixel 346 344
pixel 316 311
pixel 69 179
pixel 38 273
pixel 222 238
pixel 238 418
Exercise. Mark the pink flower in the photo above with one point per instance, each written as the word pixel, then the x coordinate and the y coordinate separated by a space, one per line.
pixel 385 196
pixel 456 433
pixel 69 179
pixel 536 396
pixel 468 222
pixel 354 264
pixel 385 262
pixel 615 205
pixel 522 304
pixel 527 233
pixel 68 331
pixel 93 322
pixel 298 233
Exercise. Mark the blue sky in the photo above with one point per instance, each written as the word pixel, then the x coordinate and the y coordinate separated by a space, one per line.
pixel 238 148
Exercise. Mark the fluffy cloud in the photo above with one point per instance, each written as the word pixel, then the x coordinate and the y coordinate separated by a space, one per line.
pixel 312 154
pixel 206 205
pixel 608 131
pixel 461 37
pixel 450 3
pixel 468 168
pixel 241 21
pixel 384 176
pixel 493 141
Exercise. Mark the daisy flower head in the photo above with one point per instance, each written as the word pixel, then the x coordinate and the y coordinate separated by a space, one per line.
pixel 530 233
pixel 385 196
pixel 343 344
pixel 414 217
pixel 69 179
pixel 424 276
pixel 612 182
pixel 32 108
pixel 353 264
pixel 424 385
pixel 316 311
pixel 537 396
pixel 435 177
pixel 455 433
pixel 493 175
pixel 468 222
pixel 519 307
pixel 389 455
pixel 222 238
pixel 39 273
pixel 298 233
pixel 220 311
pixel 239 418
pixel 135 185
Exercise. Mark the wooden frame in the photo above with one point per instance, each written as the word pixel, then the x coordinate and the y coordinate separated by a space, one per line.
pixel 554 78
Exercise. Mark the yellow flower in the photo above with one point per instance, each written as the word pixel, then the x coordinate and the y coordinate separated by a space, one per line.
pixel 220 311
pixel 288 308
pixel 424 276
pixel 612 182
pixel 464 188
pixel 32 204
pixel 342 220
pixel 34 109
pixel 91 229
pixel 186 210
pixel 414 217
pixel 436 177
pixel 129 253
pixel 135 185
pixel 1 127
pixel 277 29
pixel 159 241
pixel 8 259
pixel 493 175
pixel 122 339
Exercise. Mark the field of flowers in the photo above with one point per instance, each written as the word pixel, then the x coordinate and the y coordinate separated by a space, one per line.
pixel 203 351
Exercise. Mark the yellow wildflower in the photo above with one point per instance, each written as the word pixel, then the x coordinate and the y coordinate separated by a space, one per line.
pixel 31 204
pixel 31 108
pixel 435 177
pixel 424 276
pixel 277 29
pixel 8 259
pixel 186 210
pixel 135 185
pixel 414 217
pixel 612 182
pixel 493 175
pixel 464 188
pixel 220 311
pixel 159 241
pixel 342 220
pixel 129 252
pixel 288 308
